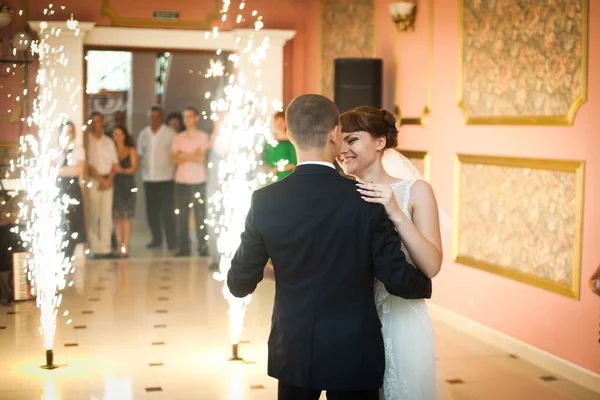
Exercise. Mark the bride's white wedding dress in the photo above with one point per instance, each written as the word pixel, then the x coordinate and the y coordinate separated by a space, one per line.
pixel 410 363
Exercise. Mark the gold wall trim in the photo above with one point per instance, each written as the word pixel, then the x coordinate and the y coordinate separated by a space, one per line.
pixel 204 24
pixel 527 120
pixel 374 52
pixel 319 65
pixel 575 167
pixel 5 149
pixel 16 113
pixel 422 119
pixel 420 155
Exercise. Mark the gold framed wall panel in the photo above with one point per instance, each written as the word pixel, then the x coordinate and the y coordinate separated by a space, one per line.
pixel 204 24
pixel 422 119
pixel 8 151
pixel 521 218
pixel 540 79
pixel 20 109
pixel 346 29
pixel 15 114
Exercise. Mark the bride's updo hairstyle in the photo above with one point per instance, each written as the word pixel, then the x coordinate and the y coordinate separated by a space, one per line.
pixel 379 123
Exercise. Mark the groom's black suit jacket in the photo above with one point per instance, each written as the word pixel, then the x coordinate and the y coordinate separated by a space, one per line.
pixel 327 245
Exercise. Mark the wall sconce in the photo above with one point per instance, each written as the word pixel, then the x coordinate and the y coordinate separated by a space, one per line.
pixel 403 14
pixel 5 15
pixel 20 41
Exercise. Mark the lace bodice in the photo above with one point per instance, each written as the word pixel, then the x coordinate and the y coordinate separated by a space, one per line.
pixel 402 192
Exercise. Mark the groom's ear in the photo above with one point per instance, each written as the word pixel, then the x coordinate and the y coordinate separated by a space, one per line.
pixel 335 136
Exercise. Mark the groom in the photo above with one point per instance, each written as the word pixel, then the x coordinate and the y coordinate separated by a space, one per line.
pixel 326 245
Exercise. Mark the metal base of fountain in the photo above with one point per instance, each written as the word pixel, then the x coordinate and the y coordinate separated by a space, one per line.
pixel 50 361
pixel 235 355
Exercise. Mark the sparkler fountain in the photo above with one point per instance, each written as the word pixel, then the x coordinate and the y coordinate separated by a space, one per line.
pixel 245 126
pixel 44 209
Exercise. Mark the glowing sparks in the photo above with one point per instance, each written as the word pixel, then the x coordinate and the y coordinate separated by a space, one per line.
pixel 244 124
pixel 41 158
pixel 216 69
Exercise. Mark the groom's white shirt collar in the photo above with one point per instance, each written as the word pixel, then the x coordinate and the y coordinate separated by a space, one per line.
pixel 324 163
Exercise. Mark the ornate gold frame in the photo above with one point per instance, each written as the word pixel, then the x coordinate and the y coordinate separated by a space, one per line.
pixel 15 115
pixel 320 43
pixel 527 120
pixel 575 167
pixel 205 24
pixel 421 120
pixel 9 144
pixel 421 155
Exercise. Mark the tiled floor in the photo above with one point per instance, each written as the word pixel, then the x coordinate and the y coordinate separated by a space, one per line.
pixel 157 328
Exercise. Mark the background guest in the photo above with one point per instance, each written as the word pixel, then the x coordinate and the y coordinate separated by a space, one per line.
pixel 124 195
pixel 154 148
pixel 69 183
pixel 189 154
pixel 175 121
pixel 280 157
pixel 218 152
pixel 102 155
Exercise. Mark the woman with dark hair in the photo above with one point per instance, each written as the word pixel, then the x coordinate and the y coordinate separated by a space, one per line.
pixel 69 183
pixel 175 121
pixel 124 192
pixel 411 205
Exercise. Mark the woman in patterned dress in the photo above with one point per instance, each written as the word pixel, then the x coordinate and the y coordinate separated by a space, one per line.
pixel 124 197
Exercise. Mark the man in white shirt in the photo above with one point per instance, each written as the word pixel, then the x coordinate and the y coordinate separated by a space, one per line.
pixel 158 173
pixel 102 158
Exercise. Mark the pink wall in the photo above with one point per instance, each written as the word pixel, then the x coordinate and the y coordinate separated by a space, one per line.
pixel 564 327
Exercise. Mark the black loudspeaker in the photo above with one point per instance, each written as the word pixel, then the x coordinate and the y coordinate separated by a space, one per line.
pixel 357 82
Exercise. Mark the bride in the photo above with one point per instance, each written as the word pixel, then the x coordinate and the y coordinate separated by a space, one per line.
pixel 410 203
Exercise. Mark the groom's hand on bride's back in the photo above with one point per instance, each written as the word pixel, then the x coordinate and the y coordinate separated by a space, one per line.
pixel 390 265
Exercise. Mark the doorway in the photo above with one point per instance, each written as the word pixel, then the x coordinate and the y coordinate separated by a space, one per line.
pixel 124 83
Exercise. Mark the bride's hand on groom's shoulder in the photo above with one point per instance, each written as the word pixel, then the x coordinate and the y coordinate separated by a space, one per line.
pixel 382 194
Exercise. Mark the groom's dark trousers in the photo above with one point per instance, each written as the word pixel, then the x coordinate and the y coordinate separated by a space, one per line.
pixel 289 392
pixel 327 246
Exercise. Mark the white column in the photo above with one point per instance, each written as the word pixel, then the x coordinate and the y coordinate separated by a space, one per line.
pixel 72 42
pixel 271 68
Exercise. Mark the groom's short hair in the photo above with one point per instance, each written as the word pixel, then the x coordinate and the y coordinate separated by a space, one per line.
pixel 310 118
